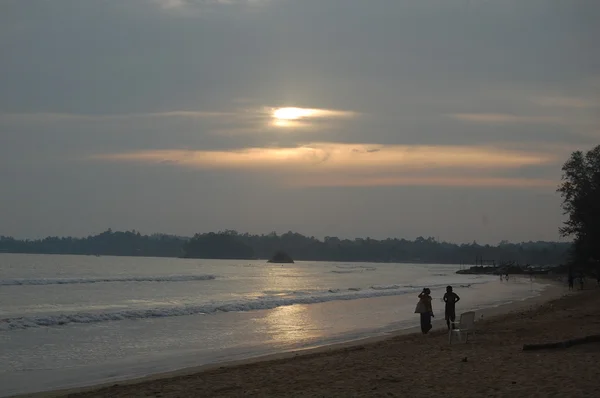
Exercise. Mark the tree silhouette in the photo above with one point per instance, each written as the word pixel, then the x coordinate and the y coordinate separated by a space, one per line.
pixel 224 245
pixel 234 245
pixel 580 190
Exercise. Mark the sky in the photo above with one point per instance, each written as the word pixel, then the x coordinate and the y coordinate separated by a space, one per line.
pixel 349 118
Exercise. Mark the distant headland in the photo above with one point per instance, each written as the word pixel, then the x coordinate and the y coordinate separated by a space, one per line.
pixel 234 245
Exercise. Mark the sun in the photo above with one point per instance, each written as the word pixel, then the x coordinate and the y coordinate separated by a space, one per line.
pixel 291 113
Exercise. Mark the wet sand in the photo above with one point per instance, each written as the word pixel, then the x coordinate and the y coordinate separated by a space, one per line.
pixel 492 364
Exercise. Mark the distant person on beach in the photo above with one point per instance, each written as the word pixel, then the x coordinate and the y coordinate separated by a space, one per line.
pixel 425 309
pixel 450 298
pixel 571 279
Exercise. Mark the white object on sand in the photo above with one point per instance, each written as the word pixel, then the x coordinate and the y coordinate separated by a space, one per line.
pixel 465 325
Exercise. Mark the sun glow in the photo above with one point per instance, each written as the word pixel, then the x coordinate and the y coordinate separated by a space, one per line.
pixel 292 113
pixel 319 156
pixel 345 164
pixel 300 117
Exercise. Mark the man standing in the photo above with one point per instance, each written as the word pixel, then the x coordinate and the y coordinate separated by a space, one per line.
pixel 450 298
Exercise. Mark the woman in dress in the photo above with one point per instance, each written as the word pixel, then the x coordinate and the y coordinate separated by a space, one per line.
pixel 425 309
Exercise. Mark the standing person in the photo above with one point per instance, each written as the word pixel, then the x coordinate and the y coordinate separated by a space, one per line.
pixel 450 298
pixel 425 309
pixel 571 279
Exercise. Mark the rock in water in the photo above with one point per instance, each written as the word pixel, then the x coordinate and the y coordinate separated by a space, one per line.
pixel 281 257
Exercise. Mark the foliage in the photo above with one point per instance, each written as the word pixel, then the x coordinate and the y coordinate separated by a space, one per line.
pixel 129 243
pixel 231 244
pixel 214 245
pixel 580 190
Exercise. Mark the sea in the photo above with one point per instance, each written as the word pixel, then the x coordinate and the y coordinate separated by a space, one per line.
pixel 73 321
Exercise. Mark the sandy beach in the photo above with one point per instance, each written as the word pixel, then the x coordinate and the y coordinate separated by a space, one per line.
pixel 492 364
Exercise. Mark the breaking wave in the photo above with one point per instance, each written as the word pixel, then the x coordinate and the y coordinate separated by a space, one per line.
pixel 71 281
pixel 355 267
pixel 262 303
pixel 388 287
pixel 350 270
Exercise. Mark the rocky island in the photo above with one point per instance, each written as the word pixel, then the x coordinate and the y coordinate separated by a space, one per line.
pixel 281 257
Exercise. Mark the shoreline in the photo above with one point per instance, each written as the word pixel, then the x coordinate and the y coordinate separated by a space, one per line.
pixel 551 291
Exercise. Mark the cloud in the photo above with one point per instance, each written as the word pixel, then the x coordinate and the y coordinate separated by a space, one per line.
pixel 50 117
pixel 169 4
pixel 116 77
pixel 194 5
pixel 294 113
pixel 560 150
pixel 567 102
pixel 305 117
pixel 251 120
pixel 494 118
pixel 443 181
pixel 342 164
pixel 253 113
pixel 341 156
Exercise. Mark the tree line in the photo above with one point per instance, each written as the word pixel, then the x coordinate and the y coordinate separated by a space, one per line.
pixel 109 243
pixel 234 245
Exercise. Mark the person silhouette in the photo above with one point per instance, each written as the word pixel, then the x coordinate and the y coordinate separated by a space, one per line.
pixel 425 309
pixel 450 298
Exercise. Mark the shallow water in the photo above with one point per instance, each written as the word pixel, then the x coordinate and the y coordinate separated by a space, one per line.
pixel 76 320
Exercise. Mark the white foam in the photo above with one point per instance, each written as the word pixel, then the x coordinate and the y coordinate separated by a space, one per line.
pixel 385 287
pixel 368 268
pixel 262 303
pixel 69 281
pixel 347 271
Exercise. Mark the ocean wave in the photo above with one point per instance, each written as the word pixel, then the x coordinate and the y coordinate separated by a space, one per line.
pixel 70 281
pixel 350 270
pixel 388 287
pixel 263 303
pixel 347 271
pixel 369 268
pixel 285 292
pixel 418 287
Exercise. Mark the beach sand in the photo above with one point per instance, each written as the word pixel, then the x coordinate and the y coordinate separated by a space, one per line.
pixel 492 364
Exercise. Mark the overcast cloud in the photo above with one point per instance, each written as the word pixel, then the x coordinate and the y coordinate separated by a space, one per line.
pixel 445 118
